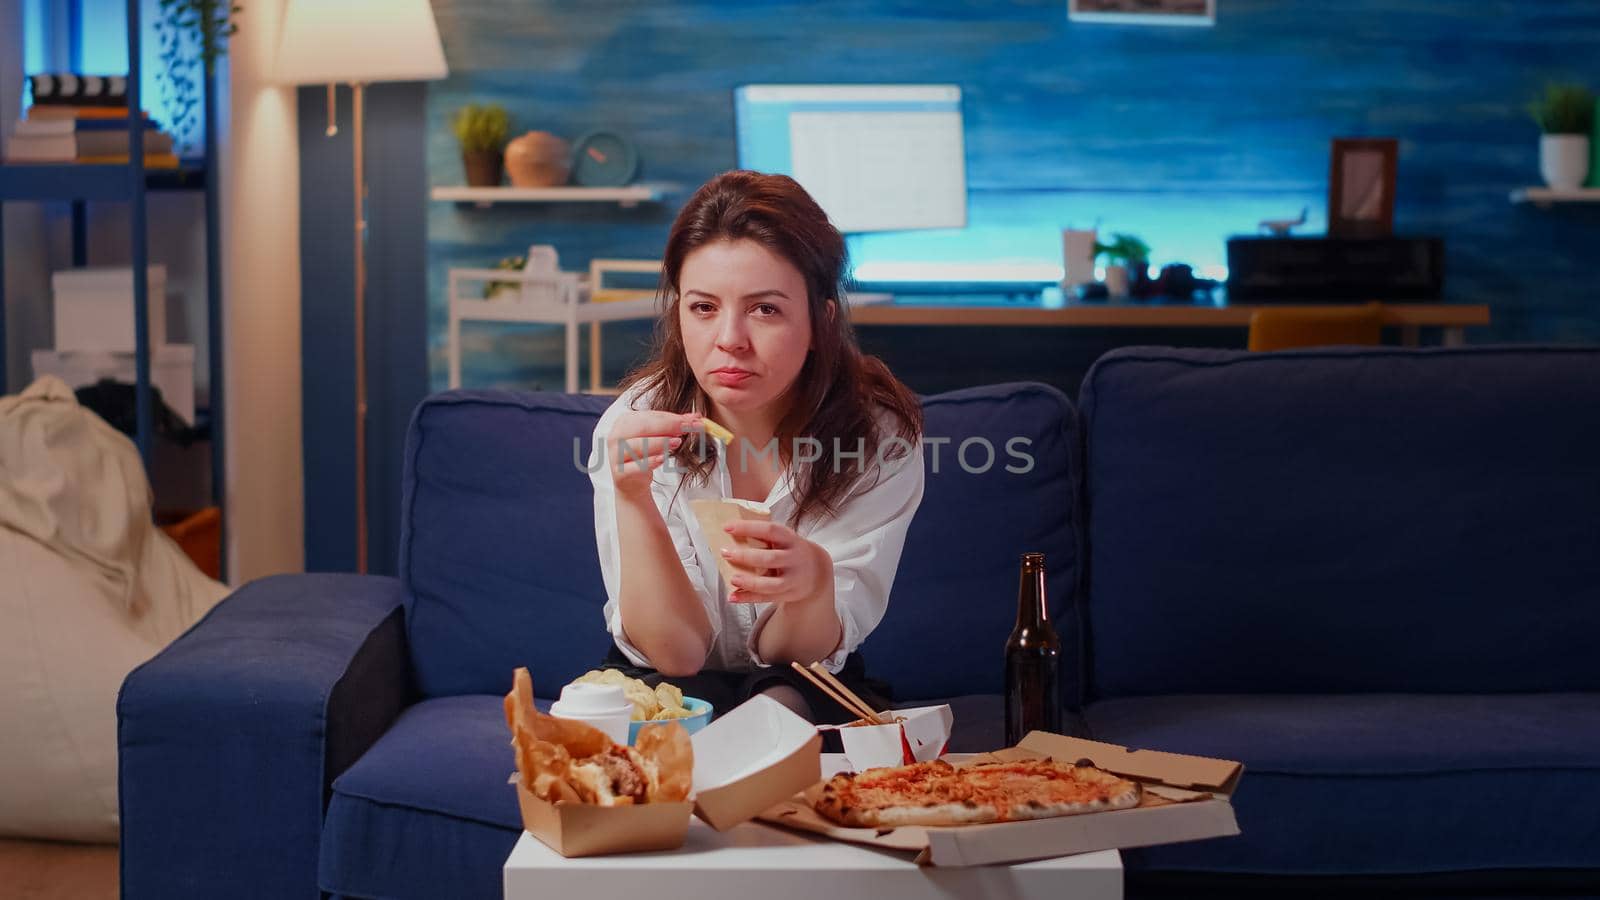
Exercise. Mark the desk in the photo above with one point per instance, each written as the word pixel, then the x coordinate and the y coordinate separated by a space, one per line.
pixel 573 301
pixel 1453 318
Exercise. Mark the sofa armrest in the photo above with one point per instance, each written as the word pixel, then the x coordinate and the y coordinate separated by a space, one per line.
pixel 229 738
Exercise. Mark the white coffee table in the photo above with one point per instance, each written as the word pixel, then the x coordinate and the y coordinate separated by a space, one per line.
pixel 755 860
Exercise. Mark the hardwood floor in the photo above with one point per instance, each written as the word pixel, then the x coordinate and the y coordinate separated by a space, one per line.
pixel 47 870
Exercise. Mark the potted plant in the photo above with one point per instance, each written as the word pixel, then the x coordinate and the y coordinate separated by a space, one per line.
pixel 494 289
pixel 482 133
pixel 1565 113
pixel 1124 251
pixel 192 35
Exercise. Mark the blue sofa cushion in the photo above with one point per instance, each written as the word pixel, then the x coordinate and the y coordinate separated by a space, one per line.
pixel 497 541
pixel 981 722
pixel 1382 784
pixel 1343 520
pixel 498 548
pixel 954 600
pixel 427 812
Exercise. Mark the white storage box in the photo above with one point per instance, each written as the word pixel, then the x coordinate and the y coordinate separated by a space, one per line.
pixel 171 370
pixel 94 308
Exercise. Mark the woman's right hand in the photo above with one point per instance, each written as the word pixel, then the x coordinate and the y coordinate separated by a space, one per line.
pixel 639 443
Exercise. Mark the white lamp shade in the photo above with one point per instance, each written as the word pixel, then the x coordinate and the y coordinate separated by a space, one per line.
pixel 342 41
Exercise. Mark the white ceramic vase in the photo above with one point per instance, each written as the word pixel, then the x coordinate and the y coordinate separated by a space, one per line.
pixel 1564 160
pixel 1117 281
pixel 538 159
pixel 1077 256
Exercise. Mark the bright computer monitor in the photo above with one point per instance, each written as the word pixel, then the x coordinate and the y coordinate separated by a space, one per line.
pixel 876 157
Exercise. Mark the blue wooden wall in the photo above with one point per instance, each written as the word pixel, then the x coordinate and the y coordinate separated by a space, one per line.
pixel 1184 135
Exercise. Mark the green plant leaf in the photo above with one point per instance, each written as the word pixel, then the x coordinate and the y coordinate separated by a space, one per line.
pixel 480 128
pixel 193 36
pixel 1564 108
pixel 1123 249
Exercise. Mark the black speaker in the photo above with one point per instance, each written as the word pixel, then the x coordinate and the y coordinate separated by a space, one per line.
pixel 1334 270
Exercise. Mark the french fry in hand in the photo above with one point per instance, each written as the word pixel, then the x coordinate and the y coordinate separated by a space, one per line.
pixel 717 431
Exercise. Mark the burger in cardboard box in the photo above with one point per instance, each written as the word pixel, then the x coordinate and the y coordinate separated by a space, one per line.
pixel 584 795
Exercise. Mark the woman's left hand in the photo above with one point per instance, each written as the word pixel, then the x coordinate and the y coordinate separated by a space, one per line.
pixel 790 569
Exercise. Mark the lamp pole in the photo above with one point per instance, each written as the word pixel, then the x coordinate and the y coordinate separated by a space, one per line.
pixel 358 113
pixel 359 42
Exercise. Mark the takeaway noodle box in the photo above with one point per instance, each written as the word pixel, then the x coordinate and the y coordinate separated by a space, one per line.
pixel 1186 798
pixel 746 761
pixel 907 736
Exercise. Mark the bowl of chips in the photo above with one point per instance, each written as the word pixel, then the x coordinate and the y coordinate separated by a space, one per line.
pixel 696 713
pixel 662 703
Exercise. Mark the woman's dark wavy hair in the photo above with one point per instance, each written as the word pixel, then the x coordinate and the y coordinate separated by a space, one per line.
pixel 837 395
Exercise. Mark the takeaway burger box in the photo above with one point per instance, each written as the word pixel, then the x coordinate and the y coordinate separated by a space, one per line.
pixel 1185 798
pixel 753 757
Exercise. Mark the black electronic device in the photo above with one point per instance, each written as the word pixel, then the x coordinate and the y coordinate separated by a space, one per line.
pixel 1335 269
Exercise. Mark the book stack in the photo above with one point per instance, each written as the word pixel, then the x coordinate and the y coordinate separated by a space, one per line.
pixel 94 336
pixel 83 119
pixel 72 89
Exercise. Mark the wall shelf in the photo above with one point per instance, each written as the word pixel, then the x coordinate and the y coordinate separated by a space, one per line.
pixel 1542 196
pixel 629 196
pixel 64 182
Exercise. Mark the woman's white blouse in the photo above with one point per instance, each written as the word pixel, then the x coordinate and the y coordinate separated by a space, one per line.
pixel 864 540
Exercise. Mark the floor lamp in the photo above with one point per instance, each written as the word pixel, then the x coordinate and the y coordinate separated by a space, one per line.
pixel 359 42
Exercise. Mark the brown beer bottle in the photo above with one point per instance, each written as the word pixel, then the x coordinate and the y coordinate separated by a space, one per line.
pixel 1033 660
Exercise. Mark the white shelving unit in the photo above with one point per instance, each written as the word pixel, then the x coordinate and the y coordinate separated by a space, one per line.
pixel 631 195
pixel 561 298
pixel 1543 196
pixel 549 298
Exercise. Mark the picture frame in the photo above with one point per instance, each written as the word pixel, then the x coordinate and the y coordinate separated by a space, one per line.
pixel 1144 12
pixel 1361 185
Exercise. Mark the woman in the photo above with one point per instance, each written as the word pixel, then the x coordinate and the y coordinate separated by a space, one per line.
pixel 754 337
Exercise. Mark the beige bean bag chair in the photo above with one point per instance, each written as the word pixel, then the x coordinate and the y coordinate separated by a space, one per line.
pixel 89 589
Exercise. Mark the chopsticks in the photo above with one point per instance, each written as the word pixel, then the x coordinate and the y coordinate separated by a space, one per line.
pixel 834 688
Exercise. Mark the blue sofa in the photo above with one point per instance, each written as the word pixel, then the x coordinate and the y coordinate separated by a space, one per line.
pixel 1371 575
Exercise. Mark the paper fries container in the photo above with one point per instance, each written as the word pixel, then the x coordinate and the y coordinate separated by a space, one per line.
pixel 752 758
pixel 746 761
pixel 578 829
pixel 920 734
pixel 714 515
pixel 1186 798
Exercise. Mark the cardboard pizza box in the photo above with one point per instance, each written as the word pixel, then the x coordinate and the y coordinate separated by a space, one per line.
pixel 1186 798
pixel 752 757
pixel 910 735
